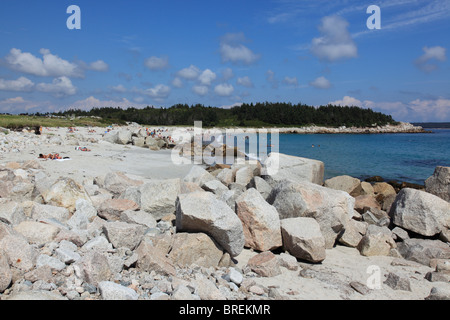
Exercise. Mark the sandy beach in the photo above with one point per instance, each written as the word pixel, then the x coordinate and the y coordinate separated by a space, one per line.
pixel 104 157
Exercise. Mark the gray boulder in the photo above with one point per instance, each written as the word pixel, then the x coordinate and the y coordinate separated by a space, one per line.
pixel 93 268
pixel 5 272
pixel 260 220
pixel 20 253
pixel 64 193
pixel 420 212
pixel 423 250
pixel 11 212
pixel 158 197
pixel 42 211
pixel 377 241
pixel 117 182
pixel 280 166
pixel 123 136
pixel 439 183
pixel 122 234
pixel 195 248
pixel 37 232
pixel 261 185
pixel 440 291
pixel 114 291
pixel 303 239
pixel 198 175
pixel 111 136
pixel 151 259
pixel 36 295
pixel 203 212
pixel 345 183
pixel 332 209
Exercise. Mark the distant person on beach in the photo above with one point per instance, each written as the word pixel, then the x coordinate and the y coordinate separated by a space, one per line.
pixel 50 156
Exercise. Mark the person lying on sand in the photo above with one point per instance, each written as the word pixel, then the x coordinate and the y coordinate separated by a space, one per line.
pixel 50 156
pixel 82 149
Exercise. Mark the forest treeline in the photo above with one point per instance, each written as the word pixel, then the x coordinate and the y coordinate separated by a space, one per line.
pixel 247 115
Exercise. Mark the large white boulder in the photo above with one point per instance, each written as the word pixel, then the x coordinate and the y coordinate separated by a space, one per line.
pixel 260 221
pixel 203 212
pixel 420 212
pixel 303 239
pixel 280 166
pixel 332 209
pixel 439 183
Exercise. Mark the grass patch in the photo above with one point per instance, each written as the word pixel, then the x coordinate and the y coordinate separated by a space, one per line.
pixel 15 122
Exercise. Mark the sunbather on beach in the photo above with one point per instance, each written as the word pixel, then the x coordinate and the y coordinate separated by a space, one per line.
pixel 50 156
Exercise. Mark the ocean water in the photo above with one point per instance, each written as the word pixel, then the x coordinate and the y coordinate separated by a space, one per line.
pixel 402 157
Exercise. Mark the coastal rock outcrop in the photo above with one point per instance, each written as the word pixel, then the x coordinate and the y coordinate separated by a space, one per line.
pixel 64 193
pixel 439 183
pixel 279 166
pixel 345 183
pixel 203 212
pixel 260 220
pixel 303 239
pixel 423 250
pixel 420 212
pixel 332 209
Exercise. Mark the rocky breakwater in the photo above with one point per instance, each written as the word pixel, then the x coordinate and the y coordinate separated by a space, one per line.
pixel 229 232
pixel 154 139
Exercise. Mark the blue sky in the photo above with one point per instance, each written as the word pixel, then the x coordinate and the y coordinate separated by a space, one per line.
pixel 223 53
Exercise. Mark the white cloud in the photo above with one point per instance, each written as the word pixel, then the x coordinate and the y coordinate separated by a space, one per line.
pixel 348 101
pixel 200 90
pixel 119 88
pixel 21 84
pixel 245 82
pixel 98 65
pixel 159 92
pixel 434 53
pixel 156 63
pixel 224 89
pixel 270 77
pixel 190 73
pixel 49 66
pixel 17 105
pixel 321 83
pixel 432 110
pixel 336 42
pixel 92 102
pixel 232 50
pixel 227 74
pixel 290 81
pixel 177 83
pixel 61 86
pixel 237 104
pixel 207 77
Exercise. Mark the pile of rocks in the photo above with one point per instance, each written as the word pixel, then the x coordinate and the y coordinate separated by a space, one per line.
pixel 115 237
pixel 140 137
pixel 11 141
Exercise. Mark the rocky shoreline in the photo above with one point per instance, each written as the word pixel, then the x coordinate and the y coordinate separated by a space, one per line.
pixel 121 222
pixel 402 127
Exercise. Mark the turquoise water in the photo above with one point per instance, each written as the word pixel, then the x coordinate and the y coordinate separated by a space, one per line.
pixel 401 157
